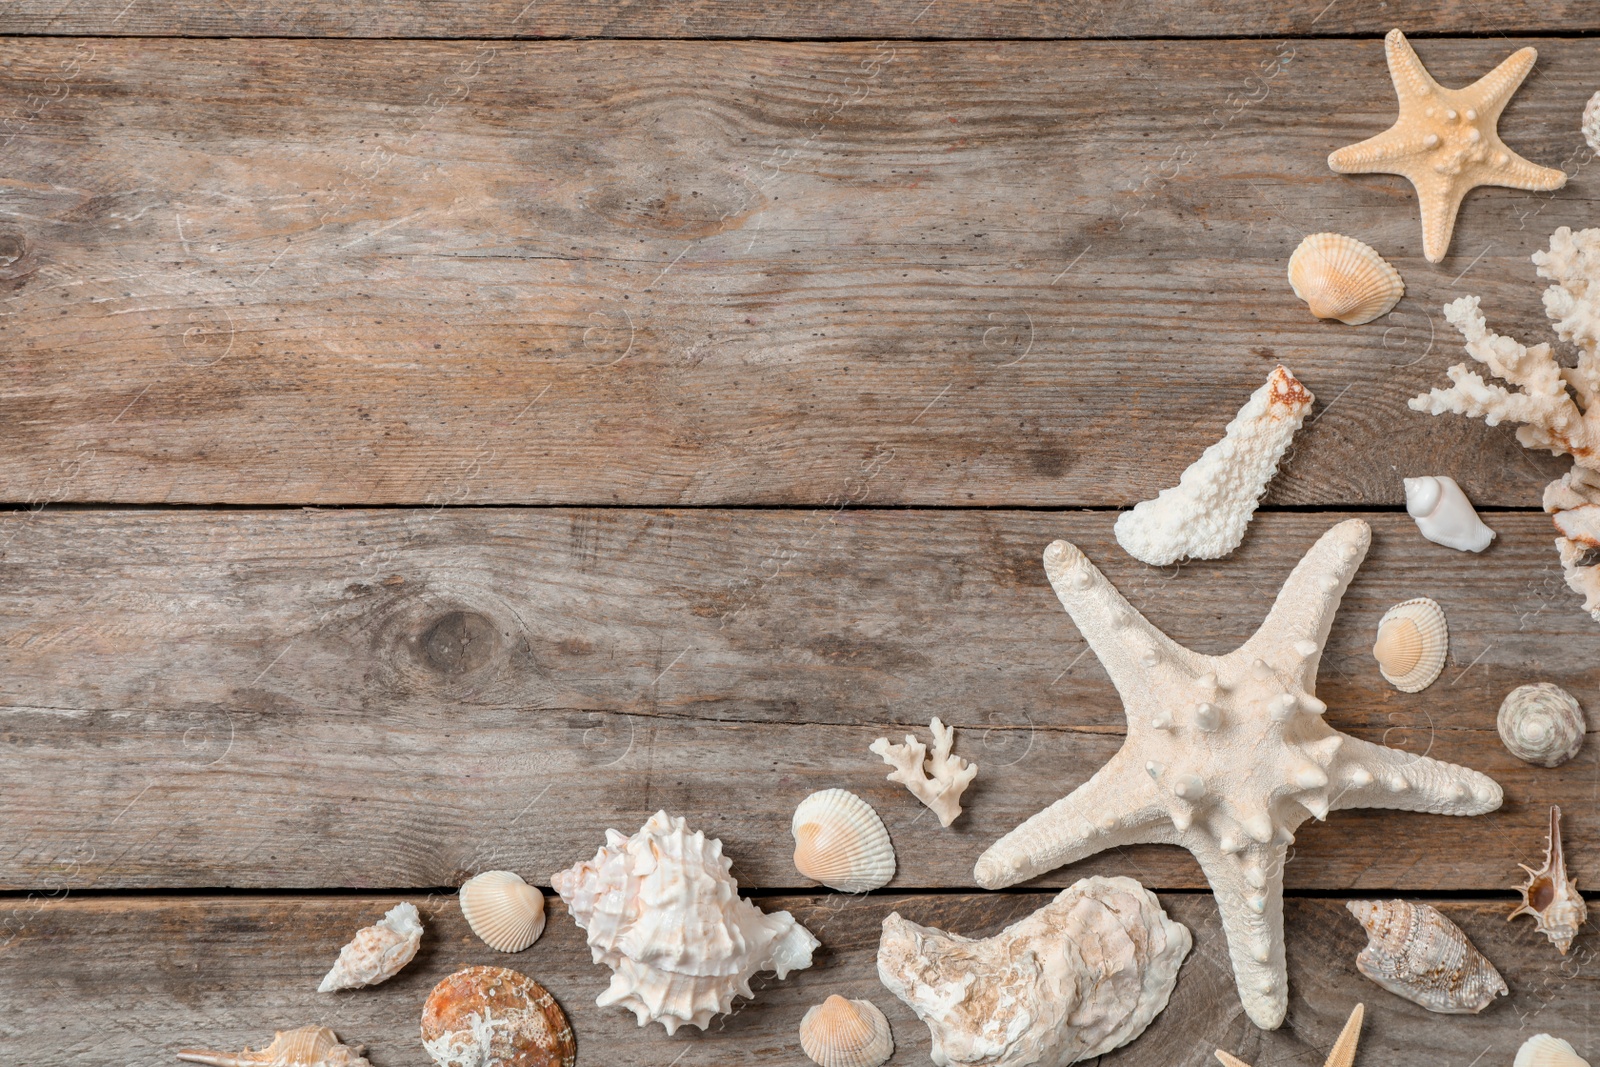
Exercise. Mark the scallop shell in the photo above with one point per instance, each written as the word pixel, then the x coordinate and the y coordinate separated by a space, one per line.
pixel 1541 724
pixel 1343 278
pixel 309 1046
pixel 1542 1050
pixel 377 952
pixel 840 841
pixel 1413 640
pixel 846 1033
pixel 1550 896
pixel 1415 952
pixel 494 1017
pixel 503 910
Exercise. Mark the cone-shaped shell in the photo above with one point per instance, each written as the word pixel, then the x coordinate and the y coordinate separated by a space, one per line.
pixel 1414 952
pixel 1413 641
pixel 503 910
pixel 377 952
pixel 840 841
pixel 1551 897
pixel 1542 1050
pixel 494 1017
pixel 1541 724
pixel 846 1033
pixel 1341 278
pixel 309 1046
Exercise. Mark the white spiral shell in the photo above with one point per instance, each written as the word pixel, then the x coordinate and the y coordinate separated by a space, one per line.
pixel 1444 514
pixel 1541 724
pixel 840 841
pixel 846 1033
pixel 1342 278
pixel 503 910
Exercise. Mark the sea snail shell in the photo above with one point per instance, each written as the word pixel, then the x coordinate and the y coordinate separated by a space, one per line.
pixel 1342 278
pixel 846 1033
pixel 1541 724
pixel 1414 952
pixel 1445 515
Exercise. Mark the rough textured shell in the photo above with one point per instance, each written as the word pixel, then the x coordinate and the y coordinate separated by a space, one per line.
pixel 1205 515
pixel 503 910
pixel 1414 952
pixel 494 1017
pixel 846 1033
pixel 840 841
pixel 1542 1050
pixel 309 1046
pixel 377 952
pixel 1541 724
pixel 1550 896
pixel 1413 641
pixel 1591 130
pixel 1342 278
pixel 1114 960
pixel 661 910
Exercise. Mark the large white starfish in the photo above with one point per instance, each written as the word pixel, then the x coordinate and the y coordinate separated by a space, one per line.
pixel 1226 755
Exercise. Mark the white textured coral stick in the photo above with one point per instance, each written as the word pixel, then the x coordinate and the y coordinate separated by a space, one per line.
pixel 940 784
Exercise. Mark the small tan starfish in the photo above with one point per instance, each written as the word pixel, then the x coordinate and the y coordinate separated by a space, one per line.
pixel 1446 141
pixel 1344 1049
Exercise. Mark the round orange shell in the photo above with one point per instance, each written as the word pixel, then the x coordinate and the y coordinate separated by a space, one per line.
pixel 531 1029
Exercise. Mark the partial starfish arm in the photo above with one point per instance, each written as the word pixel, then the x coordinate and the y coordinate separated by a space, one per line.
pixel 1118 806
pixel 1252 920
pixel 1379 154
pixel 1411 79
pixel 1495 88
pixel 1439 201
pixel 1371 776
pixel 1518 173
pixel 1304 610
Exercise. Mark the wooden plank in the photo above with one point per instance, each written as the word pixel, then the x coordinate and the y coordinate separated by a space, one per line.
pixel 131 980
pixel 216 698
pixel 720 273
pixel 920 19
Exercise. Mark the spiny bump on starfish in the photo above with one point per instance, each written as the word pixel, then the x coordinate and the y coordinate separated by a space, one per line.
pixel 1446 142
pixel 1226 756
pixel 1343 1053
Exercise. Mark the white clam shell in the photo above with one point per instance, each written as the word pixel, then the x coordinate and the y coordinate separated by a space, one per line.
pixel 503 910
pixel 846 1033
pixel 841 842
pixel 1414 952
pixel 1541 724
pixel 1543 1050
pixel 1413 642
pixel 1445 515
pixel 377 952
pixel 1342 278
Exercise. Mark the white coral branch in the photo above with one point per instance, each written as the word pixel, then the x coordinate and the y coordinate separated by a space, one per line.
pixel 938 782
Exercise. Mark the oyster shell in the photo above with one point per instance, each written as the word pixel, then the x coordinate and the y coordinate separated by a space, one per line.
pixel 840 841
pixel 1542 1050
pixel 1414 952
pixel 662 911
pixel 494 1017
pixel 1550 896
pixel 1541 724
pixel 846 1033
pixel 505 912
pixel 377 952
pixel 1342 278
pixel 1413 641
pixel 309 1046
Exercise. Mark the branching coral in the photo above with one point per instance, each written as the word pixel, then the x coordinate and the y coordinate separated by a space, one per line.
pixel 1557 407
pixel 940 784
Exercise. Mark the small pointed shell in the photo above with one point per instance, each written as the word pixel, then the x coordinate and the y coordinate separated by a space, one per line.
pixel 377 952
pixel 494 1017
pixel 1542 1050
pixel 1541 724
pixel 1413 640
pixel 1414 952
pixel 846 1033
pixel 503 910
pixel 1552 898
pixel 841 842
pixel 309 1046
pixel 1341 278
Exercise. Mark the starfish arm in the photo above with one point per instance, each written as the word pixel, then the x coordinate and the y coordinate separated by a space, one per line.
pixel 1491 91
pixel 1252 920
pixel 1439 202
pixel 1118 806
pixel 1518 173
pixel 1380 154
pixel 1411 79
pixel 1300 617
pixel 1372 776
pixel 1132 651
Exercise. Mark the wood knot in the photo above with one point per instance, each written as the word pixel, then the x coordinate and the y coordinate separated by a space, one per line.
pixel 15 262
pixel 459 642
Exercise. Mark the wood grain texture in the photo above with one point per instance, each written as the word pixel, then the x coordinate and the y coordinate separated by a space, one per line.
pixel 128 981
pixel 921 19
pixel 721 273
pixel 302 699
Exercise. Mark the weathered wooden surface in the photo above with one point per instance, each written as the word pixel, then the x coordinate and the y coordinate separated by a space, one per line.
pixel 131 980
pixel 711 273
pixel 921 19
pixel 397 698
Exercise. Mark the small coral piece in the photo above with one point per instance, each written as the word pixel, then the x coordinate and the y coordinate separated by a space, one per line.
pixel 1558 408
pixel 940 782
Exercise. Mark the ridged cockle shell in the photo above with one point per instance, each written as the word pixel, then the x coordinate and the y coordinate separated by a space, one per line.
pixel 1342 278
pixel 1413 642
pixel 846 1033
pixel 840 841
pixel 505 912
pixel 1542 1050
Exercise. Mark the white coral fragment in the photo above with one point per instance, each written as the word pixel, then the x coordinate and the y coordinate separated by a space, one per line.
pixel 938 782
pixel 1204 516
pixel 1556 407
